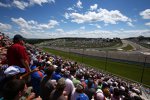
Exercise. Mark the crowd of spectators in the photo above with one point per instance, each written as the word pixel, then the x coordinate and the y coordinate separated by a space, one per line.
pixel 54 78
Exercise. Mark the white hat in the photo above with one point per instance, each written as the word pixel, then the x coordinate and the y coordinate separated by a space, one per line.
pixel 55 66
pixel 13 70
pixel 99 95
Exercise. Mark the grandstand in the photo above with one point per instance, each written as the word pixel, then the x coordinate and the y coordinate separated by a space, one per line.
pixel 82 73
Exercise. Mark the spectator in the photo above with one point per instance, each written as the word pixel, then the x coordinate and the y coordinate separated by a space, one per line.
pixel 57 94
pixel 78 93
pixel 89 90
pixel 35 80
pixel 17 55
pixel 116 94
pixel 10 73
pixel 47 84
pixel 57 74
pixel 99 95
pixel 69 85
pixel 14 89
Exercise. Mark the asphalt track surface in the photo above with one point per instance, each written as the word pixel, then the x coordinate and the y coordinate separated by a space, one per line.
pixel 138 55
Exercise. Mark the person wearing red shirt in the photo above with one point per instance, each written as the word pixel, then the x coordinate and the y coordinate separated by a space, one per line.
pixel 17 54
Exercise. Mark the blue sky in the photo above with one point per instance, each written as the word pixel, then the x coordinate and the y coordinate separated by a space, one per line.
pixel 75 18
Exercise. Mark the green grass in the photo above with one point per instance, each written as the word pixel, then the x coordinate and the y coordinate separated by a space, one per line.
pixel 128 47
pixel 131 71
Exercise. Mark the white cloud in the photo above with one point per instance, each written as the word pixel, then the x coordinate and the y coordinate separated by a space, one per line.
pixel 94 7
pixel 21 22
pixel 4 27
pixel 51 24
pixel 70 8
pixel 33 29
pixel 24 4
pixel 66 16
pixel 63 21
pixel 98 26
pixel 20 4
pixel 130 24
pixel 82 33
pixel 83 27
pixel 59 30
pixel 40 2
pixel 147 24
pixel 79 4
pixel 4 5
pixel 145 14
pixel 31 24
pixel 108 17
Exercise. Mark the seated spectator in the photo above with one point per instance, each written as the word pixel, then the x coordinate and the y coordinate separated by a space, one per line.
pixel 14 89
pixel 35 80
pixel 77 78
pixel 57 94
pixel 10 73
pixel 106 92
pixel 78 93
pixel 57 74
pixel 116 94
pixel 47 84
pixel 89 90
pixel 69 85
pixel 99 95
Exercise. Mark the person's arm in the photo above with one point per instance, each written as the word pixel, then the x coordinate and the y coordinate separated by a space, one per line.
pixel 26 64
pixel 28 73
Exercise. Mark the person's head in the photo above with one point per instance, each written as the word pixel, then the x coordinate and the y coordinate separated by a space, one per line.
pixel 79 88
pixel 49 70
pixel 90 83
pixel 14 71
pixel 106 92
pixel 18 39
pixel 67 74
pixel 14 89
pixel 61 85
pixel 116 92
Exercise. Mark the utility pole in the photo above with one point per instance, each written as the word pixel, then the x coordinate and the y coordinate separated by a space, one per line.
pixel 82 53
pixel 143 68
pixel 106 60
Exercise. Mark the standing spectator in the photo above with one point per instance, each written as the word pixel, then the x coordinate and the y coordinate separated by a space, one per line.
pixel 17 55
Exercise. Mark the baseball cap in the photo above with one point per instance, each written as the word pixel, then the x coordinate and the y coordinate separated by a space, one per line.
pixel 18 37
pixel 13 70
